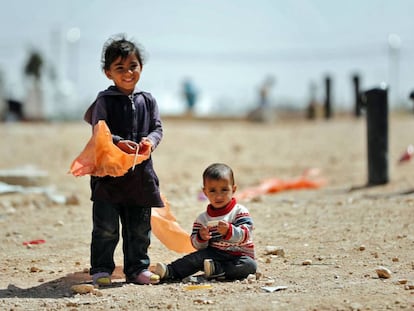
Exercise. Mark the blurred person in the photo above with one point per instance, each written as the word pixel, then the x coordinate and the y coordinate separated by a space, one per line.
pixel 133 118
pixel 221 235
pixel 190 95
pixel 263 112
pixel 264 91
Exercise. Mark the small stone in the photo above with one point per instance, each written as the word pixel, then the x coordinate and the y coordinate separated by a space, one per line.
pixel 383 272
pixel 274 250
pixel 307 262
pixel 97 292
pixel 72 200
pixel 402 281
pixel 409 286
pixel 83 288
pixel 35 269
pixel 251 278
pixel 362 248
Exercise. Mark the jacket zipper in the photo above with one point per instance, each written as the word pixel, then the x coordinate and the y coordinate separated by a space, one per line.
pixel 134 119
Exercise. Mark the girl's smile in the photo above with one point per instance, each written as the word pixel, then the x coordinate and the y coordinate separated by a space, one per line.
pixel 125 73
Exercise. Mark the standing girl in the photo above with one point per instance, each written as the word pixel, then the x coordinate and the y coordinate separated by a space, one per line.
pixel 134 121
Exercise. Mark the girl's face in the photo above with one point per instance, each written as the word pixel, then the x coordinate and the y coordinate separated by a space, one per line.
pixel 219 192
pixel 125 73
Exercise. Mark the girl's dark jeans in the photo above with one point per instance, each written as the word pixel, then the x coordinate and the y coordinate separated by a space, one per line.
pixel 136 231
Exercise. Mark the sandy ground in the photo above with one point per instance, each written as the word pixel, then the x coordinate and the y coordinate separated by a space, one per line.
pixel 344 235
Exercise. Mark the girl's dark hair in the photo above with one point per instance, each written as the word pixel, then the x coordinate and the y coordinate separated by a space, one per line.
pixel 218 171
pixel 119 46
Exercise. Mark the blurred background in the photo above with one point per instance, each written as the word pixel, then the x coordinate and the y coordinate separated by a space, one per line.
pixel 225 55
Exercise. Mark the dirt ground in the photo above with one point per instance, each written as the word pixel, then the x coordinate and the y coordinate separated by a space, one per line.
pixel 344 230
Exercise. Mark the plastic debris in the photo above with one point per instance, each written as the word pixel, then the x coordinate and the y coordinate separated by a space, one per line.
pixel 271 289
pixel 407 155
pixel 34 242
pixel 198 286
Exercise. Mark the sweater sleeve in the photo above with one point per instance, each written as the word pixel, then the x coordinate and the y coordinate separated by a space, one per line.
pixel 241 229
pixel 196 240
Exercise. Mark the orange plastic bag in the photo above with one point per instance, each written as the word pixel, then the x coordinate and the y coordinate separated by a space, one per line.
pixel 101 157
pixel 168 231
pixel 273 185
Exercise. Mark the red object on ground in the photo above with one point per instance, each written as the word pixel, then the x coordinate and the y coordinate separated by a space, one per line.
pixel 34 242
pixel 407 155
pixel 273 185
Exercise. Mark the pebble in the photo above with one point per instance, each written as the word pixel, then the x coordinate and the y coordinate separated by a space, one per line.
pixel 274 250
pixel 35 269
pixel 409 286
pixel 383 272
pixel 85 289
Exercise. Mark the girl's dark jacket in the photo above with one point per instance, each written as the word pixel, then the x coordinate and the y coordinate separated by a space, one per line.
pixel 128 117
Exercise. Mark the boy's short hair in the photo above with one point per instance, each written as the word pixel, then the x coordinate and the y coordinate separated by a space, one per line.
pixel 218 171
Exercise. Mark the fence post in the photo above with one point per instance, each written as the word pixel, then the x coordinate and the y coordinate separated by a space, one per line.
pixel 375 101
pixel 328 109
pixel 357 95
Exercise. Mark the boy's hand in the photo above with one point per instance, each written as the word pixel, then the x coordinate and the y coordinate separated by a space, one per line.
pixel 128 146
pixel 223 227
pixel 204 233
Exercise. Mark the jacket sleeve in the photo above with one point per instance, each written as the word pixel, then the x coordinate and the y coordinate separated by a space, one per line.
pixel 97 111
pixel 156 132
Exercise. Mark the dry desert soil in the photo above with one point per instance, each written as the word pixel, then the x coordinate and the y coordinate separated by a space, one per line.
pixel 331 240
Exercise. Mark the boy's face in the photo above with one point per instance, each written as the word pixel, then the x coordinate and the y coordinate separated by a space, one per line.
pixel 125 73
pixel 219 191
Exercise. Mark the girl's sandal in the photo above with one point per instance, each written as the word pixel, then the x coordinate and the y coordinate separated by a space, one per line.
pixel 101 279
pixel 145 277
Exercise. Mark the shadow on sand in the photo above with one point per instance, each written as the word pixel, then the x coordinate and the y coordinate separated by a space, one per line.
pixel 381 195
pixel 58 288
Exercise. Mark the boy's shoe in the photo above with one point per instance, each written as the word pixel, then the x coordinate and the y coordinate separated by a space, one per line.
pixel 145 277
pixel 212 270
pixel 161 269
pixel 101 279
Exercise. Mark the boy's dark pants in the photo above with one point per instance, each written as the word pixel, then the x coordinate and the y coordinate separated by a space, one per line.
pixel 136 231
pixel 234 267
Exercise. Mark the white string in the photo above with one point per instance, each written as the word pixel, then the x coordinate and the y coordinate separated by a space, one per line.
pixel 136 156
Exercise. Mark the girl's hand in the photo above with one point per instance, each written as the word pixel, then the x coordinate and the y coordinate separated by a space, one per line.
pixel 128 146
pixel 204 233
pixel 145 145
